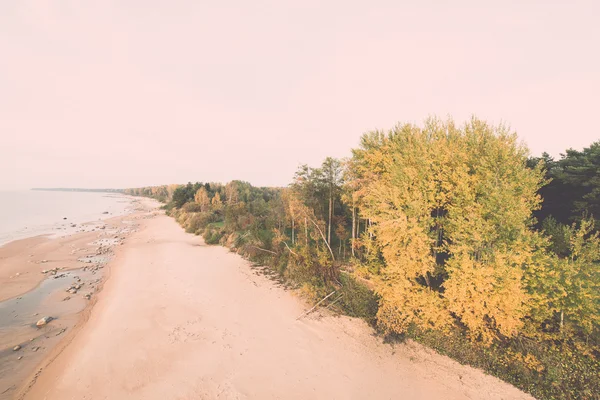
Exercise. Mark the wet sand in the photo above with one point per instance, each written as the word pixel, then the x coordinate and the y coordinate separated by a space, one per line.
pixel 181 320
pixel 75 262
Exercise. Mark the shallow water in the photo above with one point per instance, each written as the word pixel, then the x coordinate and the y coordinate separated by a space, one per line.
pixel 18 317
pixel 20 311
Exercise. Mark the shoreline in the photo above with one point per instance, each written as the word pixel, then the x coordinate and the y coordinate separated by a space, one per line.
pixel 12 253
pixel 83 317
pixel 17 258
pixel 86 256
pixel 67 227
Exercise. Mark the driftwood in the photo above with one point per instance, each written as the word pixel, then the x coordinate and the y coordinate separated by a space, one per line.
pixel 316 305
pixel 335 301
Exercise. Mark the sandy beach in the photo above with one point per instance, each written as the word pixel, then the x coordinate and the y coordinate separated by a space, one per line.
pixel 178 319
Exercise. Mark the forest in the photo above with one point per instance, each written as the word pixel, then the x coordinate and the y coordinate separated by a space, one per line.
pixel 450 235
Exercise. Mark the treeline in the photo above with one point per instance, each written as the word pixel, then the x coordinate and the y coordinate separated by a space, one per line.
pixel 446 234
pixel 162 193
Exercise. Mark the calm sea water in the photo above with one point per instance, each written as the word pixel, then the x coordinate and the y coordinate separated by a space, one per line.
pixel 30 213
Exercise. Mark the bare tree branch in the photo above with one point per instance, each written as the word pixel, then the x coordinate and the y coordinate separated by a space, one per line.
pixel 288 247
pixel 324 239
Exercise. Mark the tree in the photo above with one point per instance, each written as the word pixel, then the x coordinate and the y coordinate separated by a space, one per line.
pixel 450 210
pixel 201 197
pixel 216 202
pixel 573 187
pixel 570 283
pixel 330 175
pixel 231 192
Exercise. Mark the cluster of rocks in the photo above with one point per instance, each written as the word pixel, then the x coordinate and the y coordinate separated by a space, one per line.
pixel 103 250
pixel 93 268
pixel 18 347
pixel 40 323
pixel 74 288
pixel 52 271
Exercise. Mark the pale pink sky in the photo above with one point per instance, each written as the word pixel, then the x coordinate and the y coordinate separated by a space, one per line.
pixel 124 93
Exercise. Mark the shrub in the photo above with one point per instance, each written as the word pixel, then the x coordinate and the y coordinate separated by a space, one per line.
pixel 191 207
pixel 197 221
pixel 212 235
pixel 358 300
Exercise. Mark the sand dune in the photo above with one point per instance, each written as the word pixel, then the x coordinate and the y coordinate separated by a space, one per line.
pixel 181 320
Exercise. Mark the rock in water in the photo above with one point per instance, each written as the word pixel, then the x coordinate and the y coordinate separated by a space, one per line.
pixel 17 348
pixel 43 321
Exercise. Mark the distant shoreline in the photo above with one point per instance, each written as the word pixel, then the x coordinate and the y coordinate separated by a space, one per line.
pixel 79 190
pixel 62 222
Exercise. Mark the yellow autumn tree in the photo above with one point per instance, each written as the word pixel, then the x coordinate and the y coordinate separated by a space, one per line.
pixel 451 210
pixel 201 197
pixel 216 202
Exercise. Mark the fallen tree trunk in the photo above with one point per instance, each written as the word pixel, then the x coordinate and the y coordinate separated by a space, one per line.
pixel 316 305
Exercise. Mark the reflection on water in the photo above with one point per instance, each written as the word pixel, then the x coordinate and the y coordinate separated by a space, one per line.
pixel 18 317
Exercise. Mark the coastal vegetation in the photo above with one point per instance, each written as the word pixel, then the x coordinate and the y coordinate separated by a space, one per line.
pixel 450 235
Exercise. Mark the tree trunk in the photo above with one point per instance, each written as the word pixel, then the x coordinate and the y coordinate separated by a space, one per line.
pixel 293 240
pixel 353 227
pixel 562 320
pixel 330 214
pixel 306 230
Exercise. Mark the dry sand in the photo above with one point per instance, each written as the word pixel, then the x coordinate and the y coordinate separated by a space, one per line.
pixel 181 320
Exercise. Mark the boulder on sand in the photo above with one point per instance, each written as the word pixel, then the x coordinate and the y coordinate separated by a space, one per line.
pixel 43 321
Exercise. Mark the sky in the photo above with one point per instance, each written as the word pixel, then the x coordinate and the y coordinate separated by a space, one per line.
pixel 128 93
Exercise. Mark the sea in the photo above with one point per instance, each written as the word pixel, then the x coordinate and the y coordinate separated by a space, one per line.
pixel 30 213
